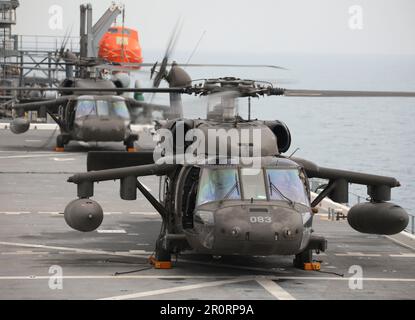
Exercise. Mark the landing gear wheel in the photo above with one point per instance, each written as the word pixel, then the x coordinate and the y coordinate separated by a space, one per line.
pixel 129 143
pixel 303 257
pixel 129 146
pixel 61 141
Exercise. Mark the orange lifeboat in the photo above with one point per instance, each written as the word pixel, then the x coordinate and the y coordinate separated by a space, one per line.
pixel 121 46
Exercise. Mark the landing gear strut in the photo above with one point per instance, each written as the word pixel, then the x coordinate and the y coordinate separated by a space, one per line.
pixel 304 259
pixel 162 258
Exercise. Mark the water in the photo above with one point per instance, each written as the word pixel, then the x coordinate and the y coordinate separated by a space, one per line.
pixel 373 135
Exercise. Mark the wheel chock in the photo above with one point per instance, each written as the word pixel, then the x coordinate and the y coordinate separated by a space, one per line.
pixel 312 266
pixel 160 264
pixel 59 149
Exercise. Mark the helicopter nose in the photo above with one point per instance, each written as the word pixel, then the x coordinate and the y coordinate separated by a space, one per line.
pixel 103 129
pixel 258 230
pixel 260 223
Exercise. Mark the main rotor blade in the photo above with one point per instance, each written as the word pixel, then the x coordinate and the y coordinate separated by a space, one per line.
pixel 144 90
pixel 123 68
pixel 162 72
pixel 46 103
pixel 224 65
pixel 189 90
pixel 344 93
pixel 205 65
pixel 169 64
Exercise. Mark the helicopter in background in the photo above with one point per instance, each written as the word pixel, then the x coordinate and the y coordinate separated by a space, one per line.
pixel 92 102
pixel 99 113
pixel 218 202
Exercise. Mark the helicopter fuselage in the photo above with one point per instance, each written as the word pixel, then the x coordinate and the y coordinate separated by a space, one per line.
pixel 95 118
pixel 235 210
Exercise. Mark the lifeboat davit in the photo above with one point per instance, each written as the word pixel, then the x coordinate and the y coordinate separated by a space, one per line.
pixel 121 45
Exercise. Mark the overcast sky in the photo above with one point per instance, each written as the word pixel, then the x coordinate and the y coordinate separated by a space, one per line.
pixel 266 26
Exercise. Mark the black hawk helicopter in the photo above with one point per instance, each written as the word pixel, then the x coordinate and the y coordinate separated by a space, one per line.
pixel 243 198
pixel 88 108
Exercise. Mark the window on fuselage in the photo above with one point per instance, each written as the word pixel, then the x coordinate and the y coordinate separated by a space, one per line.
pixel 286 182
pixel 218 184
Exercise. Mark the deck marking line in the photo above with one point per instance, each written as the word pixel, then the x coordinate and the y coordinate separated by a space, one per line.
pixel 48 212
pixel 403 255
pixel 25 253
pixel 357 254
pixel 144 213
pixel 13 212
pixel 401 243
pixel 409 235
pixel 177 289
pixel 63 159
pixel 29 156
pixel 112 231
pixel 275 289
pixel 76 277
pixel 78 250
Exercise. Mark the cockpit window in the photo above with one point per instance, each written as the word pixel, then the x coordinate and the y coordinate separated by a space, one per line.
pixel 253 184
pixel 120 109
pixel 257 184
pixel 218 184
pixel 89 107
pixel 103 108
pixel 286 183
pixel 85 108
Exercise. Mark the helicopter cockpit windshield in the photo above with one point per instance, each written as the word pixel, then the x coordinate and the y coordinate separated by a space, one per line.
pixel 217 184
pixel 286 184
pixel 101 107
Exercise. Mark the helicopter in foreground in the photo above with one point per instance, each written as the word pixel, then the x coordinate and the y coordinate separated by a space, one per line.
pixel 239 197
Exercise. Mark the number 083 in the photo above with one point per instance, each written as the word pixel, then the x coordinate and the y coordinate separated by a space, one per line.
pixel 260 219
